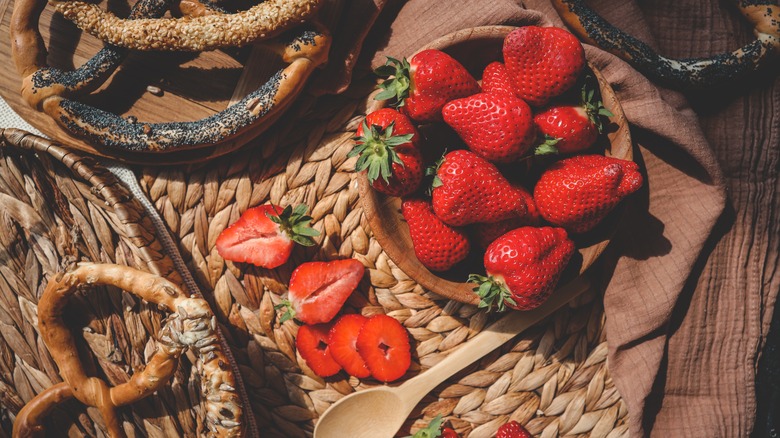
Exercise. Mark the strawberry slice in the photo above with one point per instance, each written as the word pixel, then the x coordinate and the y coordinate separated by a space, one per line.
pixel 343 345
pixel 384 344
pixel 264 236
pixel 319 289
pixel 312 344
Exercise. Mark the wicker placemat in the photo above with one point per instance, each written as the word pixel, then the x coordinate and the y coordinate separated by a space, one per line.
pixel 57 207
pixel 553 378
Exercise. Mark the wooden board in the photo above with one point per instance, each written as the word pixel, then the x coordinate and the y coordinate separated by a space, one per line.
pixel 195 85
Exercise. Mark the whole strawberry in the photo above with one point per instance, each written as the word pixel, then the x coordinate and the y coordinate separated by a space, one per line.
pixel 422 85
pixel 386 143
pixel 523 267
pixel 265 235
pixel 543 62
pixel 575 127
pixel 497 126
pixel 495 79
pixel 468 189
pixel 512 429
pixel 435 429
pixel 578 192
pixel 437 245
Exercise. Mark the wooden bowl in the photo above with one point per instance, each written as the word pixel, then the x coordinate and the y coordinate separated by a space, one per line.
pixel 475 48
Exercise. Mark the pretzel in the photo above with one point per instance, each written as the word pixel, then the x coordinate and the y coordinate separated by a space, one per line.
pixel 52 91
pixel 191 325
pixel 208 32
pixel 764 15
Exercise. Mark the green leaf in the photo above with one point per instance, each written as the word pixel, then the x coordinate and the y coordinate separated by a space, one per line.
pixel 289 312
pixel 433 430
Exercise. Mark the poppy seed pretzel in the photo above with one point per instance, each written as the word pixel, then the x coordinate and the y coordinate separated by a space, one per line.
pixel 764 15
pixel 191 325
pixel 208 32
pixel 52 91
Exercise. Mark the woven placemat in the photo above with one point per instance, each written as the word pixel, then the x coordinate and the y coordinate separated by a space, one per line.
pixel 57 207
pixel 553 378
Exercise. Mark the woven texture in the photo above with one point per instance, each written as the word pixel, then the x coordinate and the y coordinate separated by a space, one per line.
pixel 553 377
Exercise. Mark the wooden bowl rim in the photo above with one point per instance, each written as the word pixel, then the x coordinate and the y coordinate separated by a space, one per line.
pixel 620 146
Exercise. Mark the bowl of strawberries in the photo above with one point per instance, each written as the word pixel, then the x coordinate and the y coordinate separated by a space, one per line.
pixel 498 165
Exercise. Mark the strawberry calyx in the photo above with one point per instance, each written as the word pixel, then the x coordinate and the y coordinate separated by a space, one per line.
pixel 547 146
pixel 594 107
pixel 398 83
pixel 295 223
pixel 493 292
pixel 289 310
pixel 432 431
pixel 376 148
pixel 432 171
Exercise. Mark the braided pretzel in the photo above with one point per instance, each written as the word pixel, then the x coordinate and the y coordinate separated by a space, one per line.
pixel 190 325
pixel 764 15
pixel 196 34
pixel 50 90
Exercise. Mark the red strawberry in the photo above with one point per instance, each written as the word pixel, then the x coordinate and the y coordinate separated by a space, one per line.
pixel 578 192
pixel 425 83
pixel 543 62
pixel 264 237
pixel 437 245
pixel 319 289
pixel 449 432
pixel 485 234
pixel 312 344
pixel 576 128
pixel 384 344
pixel 498 127
pixel 343 344
pixel 495 79
pixel 523 267
pixel 387 142
pixel 435 429
pixel 513 429
pixel 468 189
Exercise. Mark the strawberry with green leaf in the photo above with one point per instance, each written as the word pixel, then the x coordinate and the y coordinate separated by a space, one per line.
pixel 436 429
pixel 422 85
pixel 387 146
pixel 264 236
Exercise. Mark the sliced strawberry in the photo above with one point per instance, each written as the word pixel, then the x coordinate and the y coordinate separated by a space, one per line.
pixel 264 236
pixel 343 345
pixel 319 289
pixel 312 344
pixel 384 344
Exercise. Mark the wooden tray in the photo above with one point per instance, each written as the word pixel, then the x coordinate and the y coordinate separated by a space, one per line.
pixel 194 85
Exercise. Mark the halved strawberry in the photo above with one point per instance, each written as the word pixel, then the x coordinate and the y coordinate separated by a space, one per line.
pixel 343 344
pixel 264 236
pixel 312 344
pixel 384 344
pixel 318 290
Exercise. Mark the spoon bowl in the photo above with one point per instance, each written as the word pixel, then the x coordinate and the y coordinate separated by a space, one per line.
pixel 359 413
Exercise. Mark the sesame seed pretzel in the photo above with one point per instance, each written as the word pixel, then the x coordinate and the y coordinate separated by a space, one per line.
pixel 53 91
pixel 764 15
pixel 191 325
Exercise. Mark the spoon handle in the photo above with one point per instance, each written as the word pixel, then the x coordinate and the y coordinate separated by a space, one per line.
pixel 488 340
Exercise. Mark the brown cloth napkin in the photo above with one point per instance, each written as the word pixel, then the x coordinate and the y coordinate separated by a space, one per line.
pixel 660 240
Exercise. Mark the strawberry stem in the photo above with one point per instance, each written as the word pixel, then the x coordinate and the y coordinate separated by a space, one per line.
pixel 432 431
pixel 376 151
pixel 547 146
pixel 493 293
pixel 398 82
pixel 433 170
pixel 289 311
pixel 295 224
pixel 594 107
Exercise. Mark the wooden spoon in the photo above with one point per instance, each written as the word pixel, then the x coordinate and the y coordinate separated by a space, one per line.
pixel 381 411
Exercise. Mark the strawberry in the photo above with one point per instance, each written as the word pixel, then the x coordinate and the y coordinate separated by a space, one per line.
pixel 312 345
pixel 495 79
pixel 578 192
pixel 523 267
pixel 342 340
pixel 485 233
pixel 384 344
pixel 435 429
pixel 422 85
pixel 498 127
pixel 449 432
pixel 437 245
pixel 265 237
pixel 386 142
pixel 319 289
pixel 468 189
pixel 543 62
pixel 512 429
pixel 575 128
